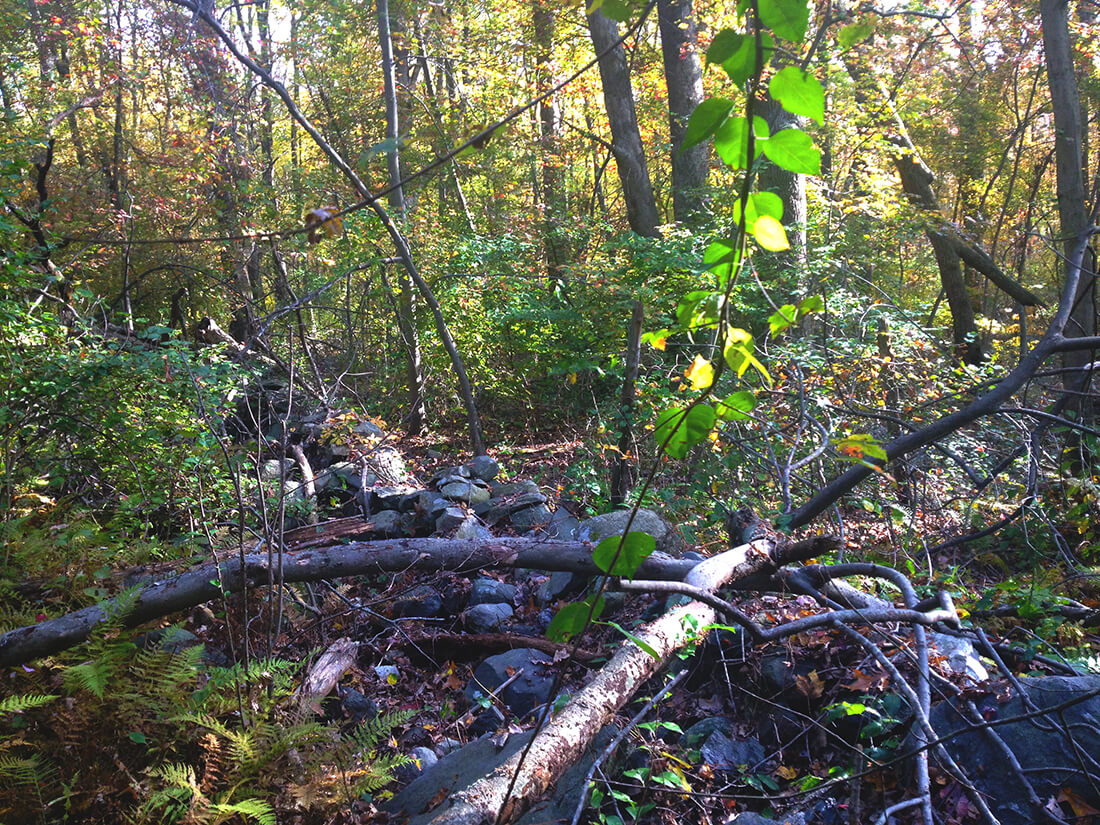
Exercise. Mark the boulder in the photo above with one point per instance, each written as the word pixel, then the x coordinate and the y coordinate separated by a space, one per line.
pixel 522 695
pixel 597 529
pixel 465 491
pixel 1048 749
pixel 483 467
pixel 490 591
pixel 530 517
pixel 487 618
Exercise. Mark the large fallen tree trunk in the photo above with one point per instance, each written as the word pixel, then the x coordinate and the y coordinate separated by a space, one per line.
pixel 210 581
pixel 496 798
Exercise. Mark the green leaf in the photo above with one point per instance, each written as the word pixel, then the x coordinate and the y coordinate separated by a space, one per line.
pixel 783 319
pixel 636 548
pixel 705 120
pixel 572 618
pixel 616 9
pixel 739 353
pixel 813 303
pixel 699 308
pixel 859 447
pixel 765 203
pixel 138 738
pixel 793 150
pixel 787 18
pixel 657 338
pixel 799 92
pixel 731 140
pixel 644 646
pixel 722 256
pixel 855 33
pixel 683 429
pixel 770 234
pixel 736 53
pixel 737 406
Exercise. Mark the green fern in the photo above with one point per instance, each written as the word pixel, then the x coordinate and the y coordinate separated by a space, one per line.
pixel 19 704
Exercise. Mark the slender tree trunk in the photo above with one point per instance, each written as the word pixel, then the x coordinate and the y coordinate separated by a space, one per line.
pixel 684 79
pixel 1073 214
pixel 405 304
pixel 624 469
pixel 626 140
pixel 552 194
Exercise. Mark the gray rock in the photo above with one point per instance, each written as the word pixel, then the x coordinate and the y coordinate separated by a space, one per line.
pixel 390 523
pixel 447 745
pixel 698 733
pixel 388 465
pixel 731 755
pixel 560 583
pixel 1047 749
pixel 471 529
pixel 420 602
pixel 450 474
pixel 750 818
pixel 483 467
pixel 530 517
pixel 424 759
pixel 525 693
pixel 514 488
pixel 384 672
pixel 368 429
pixel 486 618
pixel 522 500
pixel 961 656
pixel 562 526
pixel 490 591
pixel 388 498
pixel 431 503
pixel 646 521
pixel 450 519
pixel 464 491
pixel 351 475
pixel 270 470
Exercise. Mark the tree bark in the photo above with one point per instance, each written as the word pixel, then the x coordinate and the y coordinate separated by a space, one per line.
pixel 626 140
pixel 684 79
pixel 625 469
pixel 550 198
pixel 405 305
pixel 1073 214
pixel 353 559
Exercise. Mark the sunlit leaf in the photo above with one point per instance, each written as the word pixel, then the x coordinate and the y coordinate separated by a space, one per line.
pixel 705 120
pixel 783 319
pixel 736 407
pixel 794 151
pixel 656 339
pixel 770 234
pixel 731 140
pixel 700 373
pixel 683 429
pixel 859 447
pixel 787 18
pixel 739 353
pixel 721 257
pixel 636 548
pixel 852 34
pixel 571 619
pixel 799 92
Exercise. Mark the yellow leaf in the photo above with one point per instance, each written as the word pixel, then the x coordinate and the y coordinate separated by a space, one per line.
pixel 783 772
pixel 572 377
pixel 770 234
pixel 660 343
pixel 700 373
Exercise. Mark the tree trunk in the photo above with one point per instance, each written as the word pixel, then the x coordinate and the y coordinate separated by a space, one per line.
pixel 1072 209
pixel 684 79
pixel 405 304
pixel 551 196
pixel 625 467
pixel 626 140
pixel 790 187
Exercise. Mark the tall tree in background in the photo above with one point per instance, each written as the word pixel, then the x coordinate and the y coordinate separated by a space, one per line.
pixel 405 304
pixel 684 80
pixel 626 140
pixel 1073 212
pixel 550 201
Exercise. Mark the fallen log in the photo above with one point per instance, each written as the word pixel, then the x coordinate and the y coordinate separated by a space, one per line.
pixel 211 581
pixel 565 738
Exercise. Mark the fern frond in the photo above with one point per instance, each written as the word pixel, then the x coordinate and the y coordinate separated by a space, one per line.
pixel 18 704
pixel 256 809
pixel 26 770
